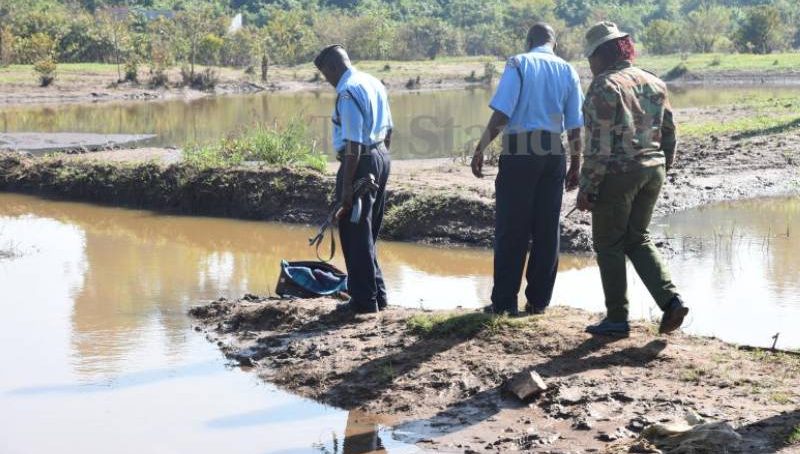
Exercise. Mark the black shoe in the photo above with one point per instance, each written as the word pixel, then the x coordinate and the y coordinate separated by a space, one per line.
pixel 352 308
pixel 673 316
pixel 382 304
pixel 491 310
pixel 530 309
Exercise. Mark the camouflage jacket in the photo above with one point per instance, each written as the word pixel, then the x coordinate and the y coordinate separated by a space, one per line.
pixel 629 125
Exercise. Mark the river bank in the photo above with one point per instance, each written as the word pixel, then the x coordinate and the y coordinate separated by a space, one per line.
pixel 430 201
pixel 91 83
pixel 439 377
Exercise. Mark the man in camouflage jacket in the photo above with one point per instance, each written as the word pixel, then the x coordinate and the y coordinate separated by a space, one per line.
pixel 630 145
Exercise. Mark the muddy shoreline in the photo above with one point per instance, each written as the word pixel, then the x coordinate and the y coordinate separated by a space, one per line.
pixel 439 378
pixel 430 201
pixel 94 92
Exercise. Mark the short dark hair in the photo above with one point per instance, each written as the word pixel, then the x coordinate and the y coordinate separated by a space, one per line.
pixel 541 33
pixel 325 53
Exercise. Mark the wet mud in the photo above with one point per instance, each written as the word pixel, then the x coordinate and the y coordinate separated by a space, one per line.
pixel 441 377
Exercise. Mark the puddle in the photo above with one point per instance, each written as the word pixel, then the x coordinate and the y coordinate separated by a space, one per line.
pixel 100 352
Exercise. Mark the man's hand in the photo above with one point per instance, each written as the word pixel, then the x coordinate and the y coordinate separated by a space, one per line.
pixel 347 204
pixel 573 176
pixel 584 202
pixel 477 164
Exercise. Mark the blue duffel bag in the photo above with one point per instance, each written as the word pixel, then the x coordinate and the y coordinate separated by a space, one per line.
pixel 310 280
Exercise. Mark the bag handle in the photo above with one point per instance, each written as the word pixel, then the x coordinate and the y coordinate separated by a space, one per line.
pixel 332 249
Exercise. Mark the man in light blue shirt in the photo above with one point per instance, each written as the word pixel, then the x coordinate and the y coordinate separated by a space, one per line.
pixel 538 99
pixel 362 131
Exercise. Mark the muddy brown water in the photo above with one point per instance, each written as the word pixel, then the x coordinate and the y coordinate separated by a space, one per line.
pixel 428 124
pixel 100 356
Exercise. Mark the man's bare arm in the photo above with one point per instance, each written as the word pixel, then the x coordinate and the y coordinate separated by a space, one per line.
pixel 575 138
pixel 350 158
pixel 497 123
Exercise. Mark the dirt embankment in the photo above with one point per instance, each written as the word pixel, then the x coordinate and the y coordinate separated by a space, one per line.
pixel 432 201
pixel 87 85
pixel 439 378
pixel 93 86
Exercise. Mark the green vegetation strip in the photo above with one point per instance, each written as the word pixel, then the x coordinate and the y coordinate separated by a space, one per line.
pixel 464 325
pixel 289 145
pixel 794 436
pixel 744 127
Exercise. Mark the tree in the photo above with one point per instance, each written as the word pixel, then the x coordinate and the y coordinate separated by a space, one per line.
pixel 291 36
pixel 762 31
pixel 192 25
pixel 662 37
pixel 6 46
pixel 116 31
pixel 426 38
pixel 705 26
pixel 37 47
pixel 209 48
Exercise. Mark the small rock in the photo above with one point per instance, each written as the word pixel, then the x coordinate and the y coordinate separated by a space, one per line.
pixel 526 385
pixel 570 396
pixel 583 424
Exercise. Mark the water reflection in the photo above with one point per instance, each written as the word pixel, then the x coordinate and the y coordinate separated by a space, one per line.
pixel 95 329
pixel 99 348
pixel 428 124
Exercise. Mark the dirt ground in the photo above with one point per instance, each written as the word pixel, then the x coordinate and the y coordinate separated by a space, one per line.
pixel 439 378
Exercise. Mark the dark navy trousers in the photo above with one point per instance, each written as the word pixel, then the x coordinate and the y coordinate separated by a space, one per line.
pixel 364 276
pixel 528 190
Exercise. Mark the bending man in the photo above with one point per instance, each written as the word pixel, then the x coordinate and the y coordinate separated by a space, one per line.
pixel 362 130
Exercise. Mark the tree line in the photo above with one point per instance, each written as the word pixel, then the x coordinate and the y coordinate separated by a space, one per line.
pixel 162 33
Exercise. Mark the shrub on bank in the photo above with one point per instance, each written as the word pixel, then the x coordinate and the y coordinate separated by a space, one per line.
pixel 203 80
pixel 46 69
pixel 290 145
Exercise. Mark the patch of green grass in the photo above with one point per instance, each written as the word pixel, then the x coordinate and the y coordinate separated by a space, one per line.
pixel 743 127
pixel 790 360
pixel 793 437
pixel 290 145
pixel 693 374
pixel 721 62
pixel 464 325
pixel 781 398
pixel 386 372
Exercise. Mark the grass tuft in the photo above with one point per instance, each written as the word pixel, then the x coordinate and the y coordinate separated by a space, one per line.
pixel 464 325
pixel 290 145
pixel 794 436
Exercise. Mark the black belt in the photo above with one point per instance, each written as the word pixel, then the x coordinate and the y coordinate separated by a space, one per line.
pixel 363 149
pixel 533 143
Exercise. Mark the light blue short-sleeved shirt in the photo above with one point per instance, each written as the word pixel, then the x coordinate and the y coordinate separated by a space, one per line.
pixel 549 99
pixel 362 112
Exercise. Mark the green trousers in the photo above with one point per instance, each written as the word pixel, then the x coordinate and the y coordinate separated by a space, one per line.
pixel 620 221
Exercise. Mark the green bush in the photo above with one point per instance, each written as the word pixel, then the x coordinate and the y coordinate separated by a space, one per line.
pixel 290 145
pixel 46 69
pixel 203 80
pixel 678 71
pixel 131 71
pixel 158 78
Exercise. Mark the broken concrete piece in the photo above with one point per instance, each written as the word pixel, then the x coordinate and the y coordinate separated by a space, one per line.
pixel 527 384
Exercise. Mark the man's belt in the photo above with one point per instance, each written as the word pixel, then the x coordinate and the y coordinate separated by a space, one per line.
pixel 363 149
pixel 533 143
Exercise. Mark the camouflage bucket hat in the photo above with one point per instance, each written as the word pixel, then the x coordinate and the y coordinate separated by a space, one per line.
pixel 599 34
